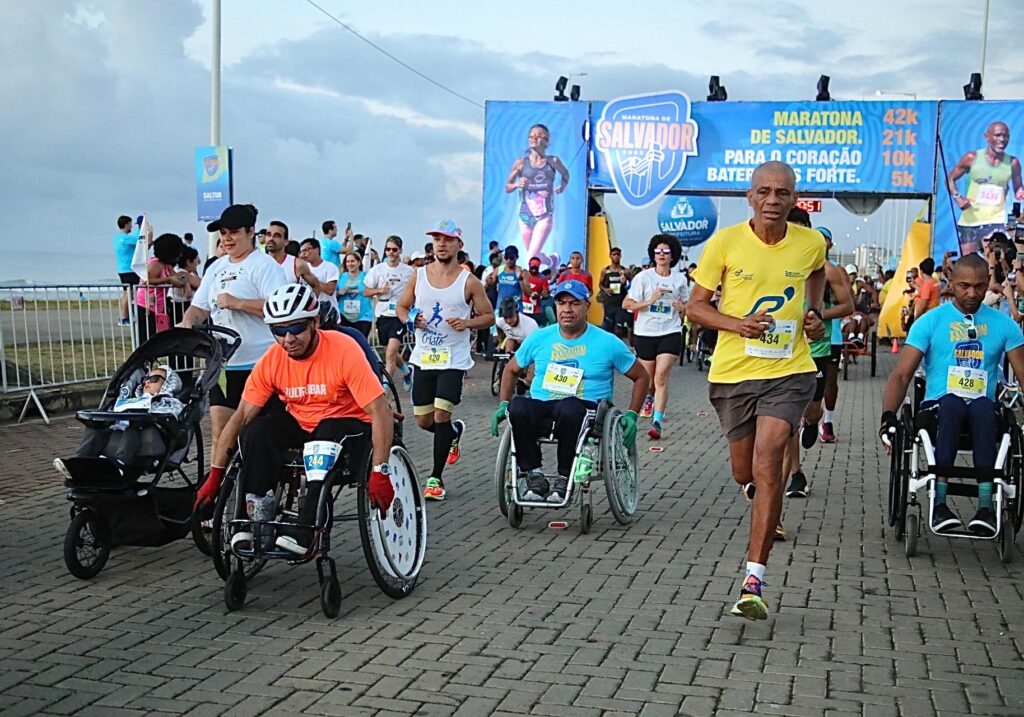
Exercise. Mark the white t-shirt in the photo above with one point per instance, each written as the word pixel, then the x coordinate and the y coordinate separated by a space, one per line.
pixel 384 275
pixel 660 318
pixel 255 277
pixel 326 273
pixel 520 331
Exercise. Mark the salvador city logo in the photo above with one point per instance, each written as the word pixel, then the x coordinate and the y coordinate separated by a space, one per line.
pixel 645 139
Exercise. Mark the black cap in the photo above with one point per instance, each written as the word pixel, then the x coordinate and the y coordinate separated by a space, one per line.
pixel 509 306
pixel 237 216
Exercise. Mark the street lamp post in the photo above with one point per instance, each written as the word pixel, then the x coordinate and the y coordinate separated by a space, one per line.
pixel 214 102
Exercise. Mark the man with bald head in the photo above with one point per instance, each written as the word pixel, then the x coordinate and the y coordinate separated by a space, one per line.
pixel 962 344
pixel 989 172
pixel 762 377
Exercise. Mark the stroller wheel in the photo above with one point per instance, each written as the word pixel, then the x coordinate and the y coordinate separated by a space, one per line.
pixel 87 545
pixel 235 590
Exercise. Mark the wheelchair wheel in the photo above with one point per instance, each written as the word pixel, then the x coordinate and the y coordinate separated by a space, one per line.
pixel 503 472
pixel 1005 540
pixel 902 497
pixel 910 539
pixel 330 597
pixel 896 476
pixel 874 352
pixel 395 545
pixel 515 515
pixel 586 518
pixel 497 368
pixel 235 590
pixel 224 510
pixel 620 468
pixel 87 544
pixel 1015 507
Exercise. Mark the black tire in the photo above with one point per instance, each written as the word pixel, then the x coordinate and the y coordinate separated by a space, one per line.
pixel 87 544
pixel 330 597
pixel 586 518
pixel 700 360
pixel 1015 507
pixel 392 582
pixel 910 539
pixel 220 537
pixel 391 393
pixel 235 590
pixel 895 476
pixel 497 367
pixel 846 364
pixel 202 537
pixel 621 470
pixel 502 468
pixel 903 486
pixel 874 353
pixel 515 515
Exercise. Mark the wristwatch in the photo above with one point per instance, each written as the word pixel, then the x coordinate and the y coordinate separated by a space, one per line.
pixel 383 469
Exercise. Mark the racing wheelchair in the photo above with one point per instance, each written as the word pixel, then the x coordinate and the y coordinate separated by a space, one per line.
pixel 394 546
pixel 600 455
pixel 912 468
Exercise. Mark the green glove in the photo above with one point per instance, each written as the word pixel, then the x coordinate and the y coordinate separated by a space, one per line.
pixel 502 413
pixel 628 425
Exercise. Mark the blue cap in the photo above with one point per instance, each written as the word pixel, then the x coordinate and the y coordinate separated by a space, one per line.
pixel 576 289
pixel 825 232
pixel 446 227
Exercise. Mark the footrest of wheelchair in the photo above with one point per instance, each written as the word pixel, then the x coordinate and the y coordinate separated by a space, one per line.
pixel 979 474
pixel 963 534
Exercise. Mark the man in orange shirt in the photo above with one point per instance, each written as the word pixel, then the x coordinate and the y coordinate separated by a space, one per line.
pixel 329 391
pixel 927 289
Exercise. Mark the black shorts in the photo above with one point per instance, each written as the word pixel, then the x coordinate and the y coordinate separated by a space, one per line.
pixel 837 353
pixel 821 377
pixel 615 317
pixel 362 327
pixel 389 327
pixel 648 348
pixel 128 277
pixel 234 381
pixel 436 389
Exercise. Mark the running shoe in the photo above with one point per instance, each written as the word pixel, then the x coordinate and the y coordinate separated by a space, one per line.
pixel 983 523
pixel 558 489
pixel 58 464
pixel 828 435
pixel 241 540
pixel 124 322
pixel 536 486
pixel 747 490
pixel 454 452
pixel 434 489
pixel 655 431
pixel 751 605
pixel 648 408
pixel 944 520
pixel 291 544
pixel 407 378
pixel 808 434
pixel 798 487
pixel 780 532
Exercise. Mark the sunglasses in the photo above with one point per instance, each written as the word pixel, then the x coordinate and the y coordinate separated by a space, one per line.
pixel 293 329
pixel 153 378
pixel 972 330
pixel 391 248
pixel 662 251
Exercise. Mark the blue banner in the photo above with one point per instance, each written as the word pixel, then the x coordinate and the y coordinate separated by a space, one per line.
pixel 691 220
pixel 213 182
pixel 834 147
pixel 535 179
pixel 980 148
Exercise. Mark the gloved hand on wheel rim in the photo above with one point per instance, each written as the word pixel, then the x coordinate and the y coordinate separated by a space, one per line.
pixel 207 493
pixel 628 424
pixel 381 492
pixel 499 415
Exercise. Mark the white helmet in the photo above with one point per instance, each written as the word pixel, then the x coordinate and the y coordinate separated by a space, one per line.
pixel 290 303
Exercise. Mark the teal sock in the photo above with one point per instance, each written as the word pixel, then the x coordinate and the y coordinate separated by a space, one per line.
pixel 940 493
pixel 985 494
pixel 659 416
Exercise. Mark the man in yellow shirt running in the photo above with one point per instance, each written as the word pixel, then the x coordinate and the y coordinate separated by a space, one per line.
pixel 763 375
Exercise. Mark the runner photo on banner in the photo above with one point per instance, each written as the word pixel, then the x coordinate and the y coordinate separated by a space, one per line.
pixel 535 179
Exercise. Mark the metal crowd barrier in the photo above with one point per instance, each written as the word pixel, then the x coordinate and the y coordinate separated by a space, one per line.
pixel 59 335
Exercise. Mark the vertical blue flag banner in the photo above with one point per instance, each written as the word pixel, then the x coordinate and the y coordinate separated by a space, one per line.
pixel 691 220
pixel 535 179
pixel 213 182
pixel 980 144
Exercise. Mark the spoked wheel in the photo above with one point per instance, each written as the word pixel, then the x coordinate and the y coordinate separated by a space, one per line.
pixel 202 535
pixel 621 469
pixel 224 510
pixel 586 517
pixel 235 589
pixel 910 539
pixel 87 544
pixel 1015 507
pixel 902 487
pixel 503 472
pixel 395 545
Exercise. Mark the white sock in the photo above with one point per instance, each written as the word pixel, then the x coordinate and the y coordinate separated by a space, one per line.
pixel 827 418
pixel 755 569
pixel 860 336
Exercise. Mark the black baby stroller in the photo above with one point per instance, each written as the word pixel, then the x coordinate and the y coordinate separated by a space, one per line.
pixel 128 504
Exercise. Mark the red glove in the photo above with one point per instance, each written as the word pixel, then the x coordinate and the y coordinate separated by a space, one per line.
pixel 207 493
pixel 381 492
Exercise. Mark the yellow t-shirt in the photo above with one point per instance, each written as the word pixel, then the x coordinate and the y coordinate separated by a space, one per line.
pixel 761 277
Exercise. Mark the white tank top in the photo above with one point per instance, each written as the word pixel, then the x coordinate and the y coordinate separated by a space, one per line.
pixel 288 266
pixel 439 346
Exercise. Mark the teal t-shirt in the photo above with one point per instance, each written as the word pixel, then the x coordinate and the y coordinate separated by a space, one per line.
pixel 330 250
pixel 124 249
pixel 944 337
pixel 346 284
pixel 596 351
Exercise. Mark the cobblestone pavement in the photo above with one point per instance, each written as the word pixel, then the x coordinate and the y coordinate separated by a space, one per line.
pixel 534 621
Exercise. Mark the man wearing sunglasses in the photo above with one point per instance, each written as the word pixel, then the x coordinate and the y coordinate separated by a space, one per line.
pixel 329 392
pixel 962 344
pixel 386 282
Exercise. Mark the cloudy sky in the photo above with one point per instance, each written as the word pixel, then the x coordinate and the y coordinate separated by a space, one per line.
pixel 104 101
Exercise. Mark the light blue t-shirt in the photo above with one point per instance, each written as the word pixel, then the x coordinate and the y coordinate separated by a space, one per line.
pixel 347 282
pixel 330 250
pixel 124 249
pixel 597 352
pixel 942 336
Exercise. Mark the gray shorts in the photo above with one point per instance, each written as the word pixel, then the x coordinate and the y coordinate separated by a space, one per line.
pixel 739 404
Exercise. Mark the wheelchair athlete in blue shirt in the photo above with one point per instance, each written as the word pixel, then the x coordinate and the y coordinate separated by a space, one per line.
pixel 962 343
pixel 575 363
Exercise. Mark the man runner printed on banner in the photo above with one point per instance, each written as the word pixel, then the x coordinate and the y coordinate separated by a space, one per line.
pixel 386 282
pixel 438 302
pixel 989 173
pixel 762 377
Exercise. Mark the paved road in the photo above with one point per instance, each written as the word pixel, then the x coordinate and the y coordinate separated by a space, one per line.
pixel 535 621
